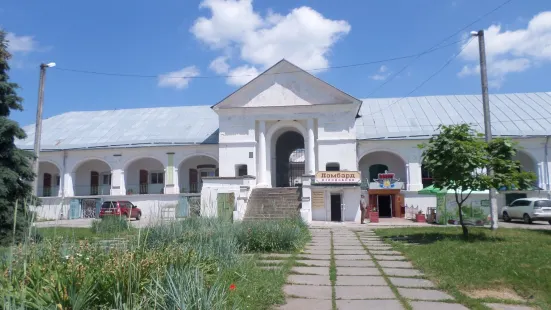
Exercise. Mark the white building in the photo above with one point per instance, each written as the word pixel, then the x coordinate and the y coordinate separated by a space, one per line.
pixel 279 130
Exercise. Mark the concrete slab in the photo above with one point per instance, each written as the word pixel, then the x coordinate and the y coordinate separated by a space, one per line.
pixel 395 264
pixel 358 271
pixel 368 304
pixel 410 282
pixel 353 257
pixel 308 279
pixel 421 294
pixel 315 251
pixel 507 307
pixel 303 303
pixel 361 280
pixel 349 243
pixel 315 256
pixel 354 263
pixel 389 257
pixel 379 247
pixel 319 263
pixel 428 305
pixel 401 272
pixel 324 271
pixel 384 252
pixel 363 292
pixel 359 251
pixel 308 291
pixel 347 247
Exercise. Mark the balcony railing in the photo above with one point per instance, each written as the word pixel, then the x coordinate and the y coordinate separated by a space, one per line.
pixel 143 189
pixel 88 190
pixel 49 191
pixel 193 188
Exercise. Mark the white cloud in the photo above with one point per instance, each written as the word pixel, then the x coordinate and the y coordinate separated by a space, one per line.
pixel 303 36
pixel 510 51
pixel 381 74
pixel 178 79
pixel 220 65
pixel 242 75
pixel 20 43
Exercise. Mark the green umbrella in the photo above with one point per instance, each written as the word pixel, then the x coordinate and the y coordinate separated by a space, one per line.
pixel 431 190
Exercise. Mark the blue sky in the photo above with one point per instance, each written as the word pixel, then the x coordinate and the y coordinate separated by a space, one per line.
pixel 216 38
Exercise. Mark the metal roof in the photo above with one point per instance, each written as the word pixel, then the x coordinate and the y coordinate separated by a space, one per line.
pixel 126 128
pixel 520 114
pixel 526 114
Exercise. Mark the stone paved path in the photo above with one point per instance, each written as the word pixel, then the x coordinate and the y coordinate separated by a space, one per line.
pixel 368 275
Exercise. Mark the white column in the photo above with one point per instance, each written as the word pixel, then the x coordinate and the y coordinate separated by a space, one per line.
pixel 310 149
pixel 415 180
pixel 117 182
pixel 68 179
pixel 262 153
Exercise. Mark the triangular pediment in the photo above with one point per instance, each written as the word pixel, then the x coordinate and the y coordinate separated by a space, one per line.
pixel 285 85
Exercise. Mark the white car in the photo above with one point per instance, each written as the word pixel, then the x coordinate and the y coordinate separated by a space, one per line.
pixel 528 209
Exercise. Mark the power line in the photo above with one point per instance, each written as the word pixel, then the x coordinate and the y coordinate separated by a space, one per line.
pixel 393 76
pixel 275 73
pixel 427 79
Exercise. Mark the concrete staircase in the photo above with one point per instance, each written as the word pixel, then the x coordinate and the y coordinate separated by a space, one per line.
pixel 273 203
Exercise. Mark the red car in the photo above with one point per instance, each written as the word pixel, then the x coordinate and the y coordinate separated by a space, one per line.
pixel 120 208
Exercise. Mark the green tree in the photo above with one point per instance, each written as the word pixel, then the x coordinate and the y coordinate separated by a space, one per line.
pixel 16 174
pixel 458 157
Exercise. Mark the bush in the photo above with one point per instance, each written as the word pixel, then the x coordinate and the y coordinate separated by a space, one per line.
pixel 111 224
pixel 273 236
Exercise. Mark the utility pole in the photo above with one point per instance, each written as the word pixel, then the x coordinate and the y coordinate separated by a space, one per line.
pixel 38 125
pixel 487 122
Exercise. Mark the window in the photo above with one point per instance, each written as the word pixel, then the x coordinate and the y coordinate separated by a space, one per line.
pixel 521 203
pixel 207 173
pixel 157 178
pixel 332 167
pixel 57 180
pixel 106 179
pixel 542 204
pixel 426 177
pixel 241 170
pixel 374 171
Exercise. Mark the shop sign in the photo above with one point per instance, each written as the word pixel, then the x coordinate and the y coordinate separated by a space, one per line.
pixel 386 180
pixel 338 177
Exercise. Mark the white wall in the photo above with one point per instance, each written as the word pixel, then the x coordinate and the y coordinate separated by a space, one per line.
pixel 241 187
pixel 55 208
pixel 343 153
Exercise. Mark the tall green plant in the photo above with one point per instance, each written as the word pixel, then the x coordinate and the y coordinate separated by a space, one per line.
pixel 458 156
pixel 16 173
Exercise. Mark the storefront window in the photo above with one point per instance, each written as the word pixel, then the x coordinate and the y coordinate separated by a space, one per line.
pixel 426 177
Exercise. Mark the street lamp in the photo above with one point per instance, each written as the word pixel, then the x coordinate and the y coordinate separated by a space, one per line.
pixel 487 123
pixel 38 128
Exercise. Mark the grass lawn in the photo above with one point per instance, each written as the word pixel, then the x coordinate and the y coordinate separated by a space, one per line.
pixel 488 264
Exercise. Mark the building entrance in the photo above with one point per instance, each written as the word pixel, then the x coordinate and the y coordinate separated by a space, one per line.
pixel 336 211
pixel 384 203
pixel 289 159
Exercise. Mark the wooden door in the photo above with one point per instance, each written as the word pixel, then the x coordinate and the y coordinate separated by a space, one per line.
pixel 193 184
pixel 47 185
pixel 94 183
pixel 144 176
pixel 226 202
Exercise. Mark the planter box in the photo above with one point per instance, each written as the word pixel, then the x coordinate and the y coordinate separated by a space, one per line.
pixel 420 218
pixel 374 217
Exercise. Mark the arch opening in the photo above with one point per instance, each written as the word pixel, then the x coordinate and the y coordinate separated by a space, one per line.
pixel 145 176
pixel 192 171
pixel 289 159
pixel 92 177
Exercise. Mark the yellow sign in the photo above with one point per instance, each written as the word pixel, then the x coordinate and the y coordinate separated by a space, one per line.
pixel 338 177
pixel 318 200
